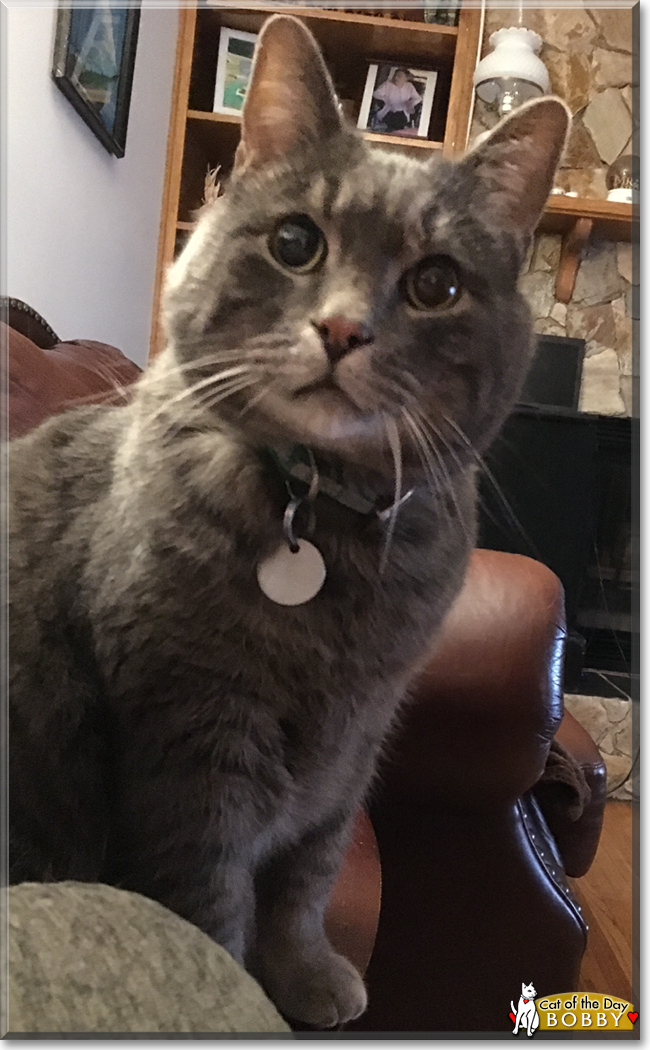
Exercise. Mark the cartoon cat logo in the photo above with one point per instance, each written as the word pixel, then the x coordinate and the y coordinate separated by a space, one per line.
pixel 525 1016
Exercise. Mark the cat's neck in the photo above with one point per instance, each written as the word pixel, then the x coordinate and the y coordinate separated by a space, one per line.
pixel 308 472
pixel 179 459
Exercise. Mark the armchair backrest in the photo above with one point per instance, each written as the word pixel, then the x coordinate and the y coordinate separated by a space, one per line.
pixel 46 377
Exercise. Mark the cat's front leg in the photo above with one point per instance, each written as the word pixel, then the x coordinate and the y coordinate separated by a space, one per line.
pixel 225 907
pixel 173 844
pixel 211 887
pixel 292 958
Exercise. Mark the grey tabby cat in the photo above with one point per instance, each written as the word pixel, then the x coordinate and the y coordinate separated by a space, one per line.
pixel 175 731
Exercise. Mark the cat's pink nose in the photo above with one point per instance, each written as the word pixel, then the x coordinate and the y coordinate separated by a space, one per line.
pixel 340 336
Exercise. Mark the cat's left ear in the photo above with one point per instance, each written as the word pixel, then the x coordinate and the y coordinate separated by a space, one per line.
pixel 290 98
pixel 516 164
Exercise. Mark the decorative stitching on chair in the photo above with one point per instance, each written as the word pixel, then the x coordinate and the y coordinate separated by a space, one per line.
pixel 7 303
pixel 539 837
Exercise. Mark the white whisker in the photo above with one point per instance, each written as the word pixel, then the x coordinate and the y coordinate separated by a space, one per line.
pixel 254 401
pixel 235 387
pixel 481 463
pixel 392 434
pixel 430 432
pixel 423 454
pixel 201 384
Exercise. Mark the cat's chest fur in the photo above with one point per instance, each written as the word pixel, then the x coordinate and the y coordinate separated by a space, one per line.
pixel 178 554
pixel 188 643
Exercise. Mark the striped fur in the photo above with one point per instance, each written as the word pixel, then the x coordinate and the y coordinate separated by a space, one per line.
pixel 172 731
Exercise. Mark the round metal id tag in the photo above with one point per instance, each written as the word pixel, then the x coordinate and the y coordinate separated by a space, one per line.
pixel 289 578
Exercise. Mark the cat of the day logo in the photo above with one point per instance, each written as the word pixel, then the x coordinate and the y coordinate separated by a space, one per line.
pixel 570 1011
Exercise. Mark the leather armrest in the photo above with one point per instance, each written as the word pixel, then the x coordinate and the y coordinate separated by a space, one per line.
pixel 489 701
pixel 577 840
pixel 24 319
pixel 352 912
pixel 44 381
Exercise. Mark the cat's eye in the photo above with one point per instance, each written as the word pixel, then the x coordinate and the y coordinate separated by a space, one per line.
pixel 433 284
pixel 298 243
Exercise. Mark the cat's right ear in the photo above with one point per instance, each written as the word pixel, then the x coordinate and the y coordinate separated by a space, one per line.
pixel 517 162
pixel 290 98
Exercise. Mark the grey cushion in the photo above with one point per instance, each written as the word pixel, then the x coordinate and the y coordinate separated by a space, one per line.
pixel 91 958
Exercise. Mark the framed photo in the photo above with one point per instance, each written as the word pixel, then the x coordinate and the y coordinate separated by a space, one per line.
pixel 94 56
pixel 234 66
pixel 398 100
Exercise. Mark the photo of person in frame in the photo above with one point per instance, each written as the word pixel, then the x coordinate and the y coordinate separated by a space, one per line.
pixel 396 101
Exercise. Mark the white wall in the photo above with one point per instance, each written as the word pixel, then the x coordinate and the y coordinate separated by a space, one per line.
pixel 82 225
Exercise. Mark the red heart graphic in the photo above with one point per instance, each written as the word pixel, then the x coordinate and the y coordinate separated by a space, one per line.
pixel 633 1016
pixel 513 1018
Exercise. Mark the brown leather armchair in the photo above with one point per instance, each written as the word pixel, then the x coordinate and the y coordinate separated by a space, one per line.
pixel 474 839
pixel 474 842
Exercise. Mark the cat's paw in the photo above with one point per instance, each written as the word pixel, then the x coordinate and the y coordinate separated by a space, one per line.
pixel 322 992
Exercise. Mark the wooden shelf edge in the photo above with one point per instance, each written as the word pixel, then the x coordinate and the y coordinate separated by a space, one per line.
pixel 340 16
pixel 370 136
pixel 589 208
pixel 577 219
pixel 216 118
pixel 401 140
pixel 611 219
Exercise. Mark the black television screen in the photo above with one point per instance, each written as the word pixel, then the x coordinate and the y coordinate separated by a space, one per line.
pixel 555 374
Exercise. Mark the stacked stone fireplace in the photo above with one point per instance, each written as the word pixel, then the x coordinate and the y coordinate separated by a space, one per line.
pixel 588 53
pixel 600 312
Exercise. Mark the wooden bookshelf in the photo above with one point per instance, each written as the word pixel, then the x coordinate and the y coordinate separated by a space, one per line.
pixel 394 141
pixel 199 138
pixel 402 142
pixel 345 32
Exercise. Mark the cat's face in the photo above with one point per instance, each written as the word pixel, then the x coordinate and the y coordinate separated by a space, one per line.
pixel 346 293
pixel 528 991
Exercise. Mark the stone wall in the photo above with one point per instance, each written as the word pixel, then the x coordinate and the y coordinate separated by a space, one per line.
pixel 600 312
pixel 588 54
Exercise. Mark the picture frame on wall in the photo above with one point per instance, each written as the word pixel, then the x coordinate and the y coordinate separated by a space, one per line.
pixel 234 67
pixel 398 100
pixel 94 59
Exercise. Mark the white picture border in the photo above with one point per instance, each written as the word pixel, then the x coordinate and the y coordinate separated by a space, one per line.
pixel 431 77
pixel 225 37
